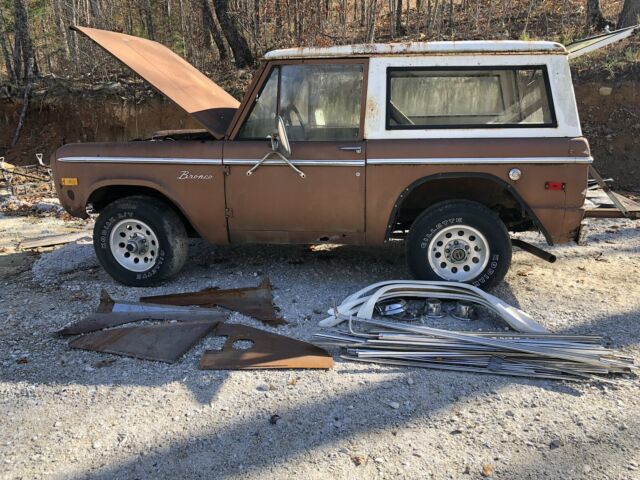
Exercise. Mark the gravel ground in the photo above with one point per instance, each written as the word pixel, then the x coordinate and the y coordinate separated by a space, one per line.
pixel 69 414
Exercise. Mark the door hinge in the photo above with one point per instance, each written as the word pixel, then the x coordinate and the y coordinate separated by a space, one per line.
pixel 228 212
pixel 226 170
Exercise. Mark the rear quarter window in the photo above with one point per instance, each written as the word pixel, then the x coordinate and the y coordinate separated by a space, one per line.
pixel 479 97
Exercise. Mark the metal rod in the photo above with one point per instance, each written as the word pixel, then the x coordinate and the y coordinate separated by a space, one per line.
pixel 533 250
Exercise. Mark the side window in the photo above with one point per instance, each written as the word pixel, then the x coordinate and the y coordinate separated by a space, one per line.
pixel 468 98
pixel 262 120
pixel 321 102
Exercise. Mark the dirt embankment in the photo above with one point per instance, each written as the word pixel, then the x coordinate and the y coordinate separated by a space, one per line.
pixel 610 116
pixel 609 112
pixel 54 120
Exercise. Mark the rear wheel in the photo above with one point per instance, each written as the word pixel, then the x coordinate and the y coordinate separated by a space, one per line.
pixel 140 241
pixel 460 241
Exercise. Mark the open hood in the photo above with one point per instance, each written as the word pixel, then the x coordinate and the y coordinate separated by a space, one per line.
pixel 189 88
pixel 587 45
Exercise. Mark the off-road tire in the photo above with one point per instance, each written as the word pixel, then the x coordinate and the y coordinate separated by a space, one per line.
pixel 432 224
pixel 167 227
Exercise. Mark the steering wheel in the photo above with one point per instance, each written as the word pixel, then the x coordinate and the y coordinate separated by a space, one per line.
pixel 287 114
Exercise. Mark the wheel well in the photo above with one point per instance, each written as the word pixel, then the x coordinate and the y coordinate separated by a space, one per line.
pixel 485 189
pixel 103 196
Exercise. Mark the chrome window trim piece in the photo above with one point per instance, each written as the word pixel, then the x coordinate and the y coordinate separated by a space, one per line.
pixel 319 163
pixel 476 160
pixel 182 161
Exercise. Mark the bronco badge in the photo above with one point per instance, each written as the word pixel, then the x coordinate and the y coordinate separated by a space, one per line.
pixel 186 175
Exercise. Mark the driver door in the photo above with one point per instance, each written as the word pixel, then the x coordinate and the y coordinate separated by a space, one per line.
pixel 322 106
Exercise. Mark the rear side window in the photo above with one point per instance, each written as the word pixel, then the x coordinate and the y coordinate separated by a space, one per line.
pixel 468 98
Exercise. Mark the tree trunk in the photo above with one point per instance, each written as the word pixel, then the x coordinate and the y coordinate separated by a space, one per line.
pixel 399 26
pixel 278 22
pixel 212 29
pixel 23 46
pixel 372 17
pixel 630 14
pixel 595 19
pixel 5 50
pixel 148 12
pixel 241 51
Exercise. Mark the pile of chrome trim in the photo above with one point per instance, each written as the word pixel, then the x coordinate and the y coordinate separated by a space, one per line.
pixel 538 355
pixel 362 303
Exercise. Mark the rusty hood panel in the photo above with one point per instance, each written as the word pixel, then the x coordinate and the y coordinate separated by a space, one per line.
pixel 189 88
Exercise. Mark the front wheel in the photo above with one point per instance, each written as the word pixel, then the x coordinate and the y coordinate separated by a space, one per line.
pixel 140 241
pixel 461 241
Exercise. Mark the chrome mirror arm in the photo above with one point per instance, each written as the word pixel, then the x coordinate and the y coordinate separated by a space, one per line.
pixel 288 162
pixel 282 157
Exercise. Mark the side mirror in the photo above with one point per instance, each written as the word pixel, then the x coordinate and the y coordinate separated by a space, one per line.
pixel 283 145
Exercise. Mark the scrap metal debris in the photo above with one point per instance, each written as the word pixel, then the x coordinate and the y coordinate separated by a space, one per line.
pixel 166 342
pixel 53 240
pixel 539 355
pixel 269 351
pixel 26 179
pixel 256 302
pixel 112 313
pixel 362 303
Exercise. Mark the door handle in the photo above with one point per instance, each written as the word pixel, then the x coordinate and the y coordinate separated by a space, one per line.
pixel 351 149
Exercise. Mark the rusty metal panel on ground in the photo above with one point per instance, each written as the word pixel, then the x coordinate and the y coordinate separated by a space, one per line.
pixel 166 342
pixel 256 302
pixel 99 321
pixel 268 351
pixel 111 313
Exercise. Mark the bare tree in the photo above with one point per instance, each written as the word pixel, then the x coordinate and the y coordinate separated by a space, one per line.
pixel 372 17
pixel 239 46
pixel 399 27
pixel 212 30
pixel 23 46
pixel 630 14
pixel 11 74
pixel 146 13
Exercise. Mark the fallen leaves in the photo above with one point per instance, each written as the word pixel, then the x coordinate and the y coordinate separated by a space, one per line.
pixel 487 470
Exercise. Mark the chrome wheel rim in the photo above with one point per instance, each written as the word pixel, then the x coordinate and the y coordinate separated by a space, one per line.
pixel 134 245
pixel 459 253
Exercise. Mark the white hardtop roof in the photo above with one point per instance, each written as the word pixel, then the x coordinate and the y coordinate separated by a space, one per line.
pixel 421 48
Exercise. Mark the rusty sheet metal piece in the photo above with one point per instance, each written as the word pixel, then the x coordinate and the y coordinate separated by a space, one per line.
pixel 269 351
pixel 99 321
pixel 166 342
pixel 53 240
pixel 112 313
pixel 256 302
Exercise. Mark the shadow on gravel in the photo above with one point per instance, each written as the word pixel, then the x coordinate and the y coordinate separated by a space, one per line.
pixel 252 441
pixel 254 445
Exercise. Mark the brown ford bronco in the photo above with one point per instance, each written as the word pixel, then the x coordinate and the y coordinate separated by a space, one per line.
pixel 447 145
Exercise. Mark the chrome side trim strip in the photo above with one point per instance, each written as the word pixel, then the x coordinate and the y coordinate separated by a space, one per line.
pixel 179 161
pixel 332 163
pixel 476 160
pixel 319 163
